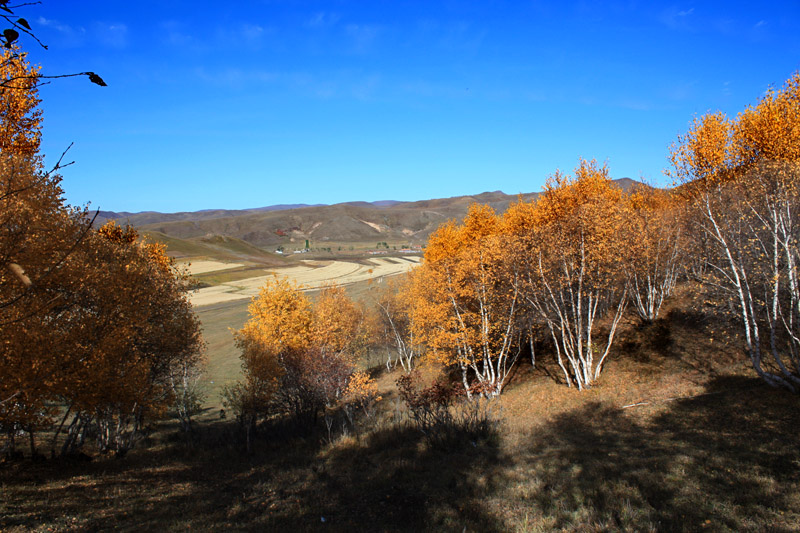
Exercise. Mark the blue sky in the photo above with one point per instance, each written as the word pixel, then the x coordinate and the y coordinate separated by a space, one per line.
pixel 245 104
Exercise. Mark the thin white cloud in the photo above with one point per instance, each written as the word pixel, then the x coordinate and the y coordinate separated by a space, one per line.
pixel 337 84
pixel 322 19
pixel 364 89
pixel 429 89
pixel 56 25
pixel 69 35
pixel 109 34
pixel 249 35
pixel 252 32
pixel 634 104
pixel 114 35
pixel 680 91
pixel 236 77
pixel 174 33
pixel 759 31
pixel 677 19
pixel 460 36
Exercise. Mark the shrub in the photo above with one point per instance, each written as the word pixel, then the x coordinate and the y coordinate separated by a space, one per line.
pixel 444 414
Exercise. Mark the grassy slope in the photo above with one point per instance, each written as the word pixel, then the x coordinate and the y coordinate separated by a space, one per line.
pixel 223 365
pixel 709 447
pixel 216 247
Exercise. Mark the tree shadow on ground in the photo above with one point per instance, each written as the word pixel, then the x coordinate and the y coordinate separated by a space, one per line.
pixel 388 480
pixel 720 461
pixel 725 460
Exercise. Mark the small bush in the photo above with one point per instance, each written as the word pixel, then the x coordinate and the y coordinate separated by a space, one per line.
pixel 444 414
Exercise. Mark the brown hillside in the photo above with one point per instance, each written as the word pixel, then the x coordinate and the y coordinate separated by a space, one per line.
pixel 397 222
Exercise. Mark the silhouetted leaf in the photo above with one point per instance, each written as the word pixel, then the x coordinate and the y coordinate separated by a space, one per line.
pixel 94 78
pixel 24 23
pixel 10 35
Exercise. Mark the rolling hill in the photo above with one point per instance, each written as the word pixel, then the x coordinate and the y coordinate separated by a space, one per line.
pixel 249 232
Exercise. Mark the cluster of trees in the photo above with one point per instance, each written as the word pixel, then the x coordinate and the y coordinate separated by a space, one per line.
pixel 740 179
pixel 96 331
pixel 299 357
pixel 550 269
pixel 547 272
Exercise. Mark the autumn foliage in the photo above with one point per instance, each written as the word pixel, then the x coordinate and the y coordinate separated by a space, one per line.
pixel 561 270
pixel 97 335
pixel 466 301
pixel 569 255
pixel 95 325
pixel 740 179
pixel 298 357
pixel 551 267
pixel 394 302
pixel 19 117
pixel 655 249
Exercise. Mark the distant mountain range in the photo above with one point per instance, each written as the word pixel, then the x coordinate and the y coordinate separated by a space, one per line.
pixel 265 228
pixel 151 217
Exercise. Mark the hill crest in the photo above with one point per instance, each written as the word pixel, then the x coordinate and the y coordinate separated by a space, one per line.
pixel 348 222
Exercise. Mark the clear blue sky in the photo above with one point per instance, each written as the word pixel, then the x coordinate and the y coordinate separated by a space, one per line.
pixel 244 104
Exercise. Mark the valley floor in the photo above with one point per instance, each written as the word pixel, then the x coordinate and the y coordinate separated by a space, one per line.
pixel 309 274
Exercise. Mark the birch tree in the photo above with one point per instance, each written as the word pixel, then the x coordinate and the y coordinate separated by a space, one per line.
pixel 742 178
pixel 567 246
pixel 466 303
pixel 654 251
pixel 395 302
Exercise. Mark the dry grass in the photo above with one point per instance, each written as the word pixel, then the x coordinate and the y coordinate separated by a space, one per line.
pixel 709 448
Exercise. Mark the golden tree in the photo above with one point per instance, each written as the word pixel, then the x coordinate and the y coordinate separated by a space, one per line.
pixel 37 234
pixel 567 249
pixel 297 357
pixel 653 255
pixel 19 116
pixel 742 180
pixel 116 331
pixel 129 332
pixel 466 301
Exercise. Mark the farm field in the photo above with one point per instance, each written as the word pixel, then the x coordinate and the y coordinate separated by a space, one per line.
pixel 223 366
pixel 204 267
pixel 309 274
